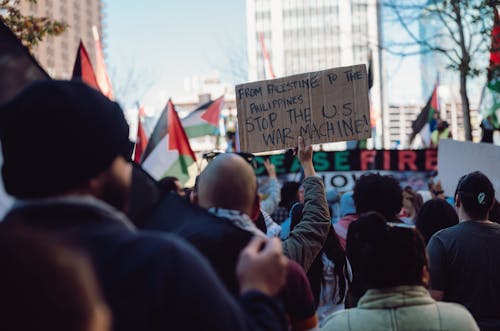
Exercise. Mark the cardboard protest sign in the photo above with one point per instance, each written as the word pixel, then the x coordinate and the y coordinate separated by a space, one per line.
pixel 323 106
pixel 457 158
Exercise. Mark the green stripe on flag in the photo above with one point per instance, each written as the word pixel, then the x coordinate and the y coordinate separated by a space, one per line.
pixel 200 130
pixel 180 168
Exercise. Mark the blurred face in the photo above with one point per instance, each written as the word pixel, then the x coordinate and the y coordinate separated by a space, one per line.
pixel 101 319
pixel 113 185
pixel 179 190
pixel 301 194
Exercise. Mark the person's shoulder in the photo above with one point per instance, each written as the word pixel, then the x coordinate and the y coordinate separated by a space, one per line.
pixel 297 283
pixel 456 317
pixel 338 320
pixel 159 246
pixel 162 239
pixel 449 232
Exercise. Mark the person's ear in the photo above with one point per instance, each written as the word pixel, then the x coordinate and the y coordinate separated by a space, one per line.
pixel 426 276
pixel 255 208
pixel 193 197
pixel 458 202
pixel 94 186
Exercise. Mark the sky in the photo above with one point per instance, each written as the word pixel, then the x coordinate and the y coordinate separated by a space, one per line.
pixel 154 44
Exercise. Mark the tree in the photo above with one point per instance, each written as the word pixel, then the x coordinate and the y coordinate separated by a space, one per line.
pixel 462 32
pixel 28 28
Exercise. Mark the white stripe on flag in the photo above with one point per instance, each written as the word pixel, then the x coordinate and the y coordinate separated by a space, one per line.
pixel 160 159
pixel 425 134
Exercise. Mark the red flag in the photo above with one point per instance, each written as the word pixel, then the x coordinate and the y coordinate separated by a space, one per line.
pixel 495 42
pixel 100 70
pixel 83 69
pixel 267 59
pixel 142 140
pixel 178 139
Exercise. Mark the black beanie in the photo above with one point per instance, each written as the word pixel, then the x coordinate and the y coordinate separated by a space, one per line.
pixel 56 135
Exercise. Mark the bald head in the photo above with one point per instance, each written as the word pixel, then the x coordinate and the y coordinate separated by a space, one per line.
pixel 228 182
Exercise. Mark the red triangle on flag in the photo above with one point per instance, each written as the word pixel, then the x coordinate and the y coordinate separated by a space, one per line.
pixel 83 70
pixel 495 42
pixel 212 114
pixel 177 136
pixel 435 100
pixel 142 140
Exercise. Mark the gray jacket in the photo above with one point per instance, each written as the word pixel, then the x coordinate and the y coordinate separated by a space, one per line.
pixel 307 238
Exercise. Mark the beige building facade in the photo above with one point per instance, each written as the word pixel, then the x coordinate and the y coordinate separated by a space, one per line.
pixel 57 54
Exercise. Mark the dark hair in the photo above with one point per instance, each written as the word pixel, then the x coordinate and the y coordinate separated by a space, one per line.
pixel 476 194
pixel 196 183
pixel 187 192
pixel 391 254
pixel 383 194
pixel 260 222
pixel 435 215
pixel 333 250
pixel 494 214
pixel 44 284
pixel 414 197
pixel 289 194
pixel 168 183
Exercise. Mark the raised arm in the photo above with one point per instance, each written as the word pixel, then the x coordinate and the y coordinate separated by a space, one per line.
pixel 307 238
pixel 270 204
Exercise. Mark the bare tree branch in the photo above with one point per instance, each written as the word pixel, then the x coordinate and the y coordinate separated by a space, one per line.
pixel 445 22
pixel 460 33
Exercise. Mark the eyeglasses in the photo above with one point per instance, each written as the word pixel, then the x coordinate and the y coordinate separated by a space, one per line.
pixel 250 158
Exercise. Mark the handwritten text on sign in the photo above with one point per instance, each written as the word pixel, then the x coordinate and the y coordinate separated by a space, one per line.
pixel 323 106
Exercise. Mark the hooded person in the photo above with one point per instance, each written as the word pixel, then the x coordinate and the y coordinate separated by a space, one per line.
pixel 66 150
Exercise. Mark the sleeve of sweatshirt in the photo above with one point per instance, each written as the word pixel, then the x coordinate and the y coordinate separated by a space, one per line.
pixel 272 201
pixel 308 237
pixel 197 300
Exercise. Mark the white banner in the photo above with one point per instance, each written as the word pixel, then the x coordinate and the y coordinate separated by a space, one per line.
pixel 457 158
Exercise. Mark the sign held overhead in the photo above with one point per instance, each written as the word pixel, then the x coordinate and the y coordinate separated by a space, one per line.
pixel 323 106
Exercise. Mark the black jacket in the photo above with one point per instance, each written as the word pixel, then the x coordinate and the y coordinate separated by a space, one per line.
pixel 151 281
pixel 218 239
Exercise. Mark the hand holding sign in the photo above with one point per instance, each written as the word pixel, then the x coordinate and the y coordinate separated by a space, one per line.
pixel 304 154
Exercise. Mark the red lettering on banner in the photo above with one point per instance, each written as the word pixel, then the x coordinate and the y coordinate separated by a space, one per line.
pixel 407 158
pixel 387 160
pixel 431 159
pixel 367 157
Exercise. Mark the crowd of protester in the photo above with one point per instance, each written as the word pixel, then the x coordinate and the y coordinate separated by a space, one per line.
pixel 93 243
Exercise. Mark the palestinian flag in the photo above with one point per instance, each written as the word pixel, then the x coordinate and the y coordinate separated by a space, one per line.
pixel 18 68
pixel 423 125
pixel 168 152
pixel 490 101
pixel 141 141
pixel 204 120
pixel 83 70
